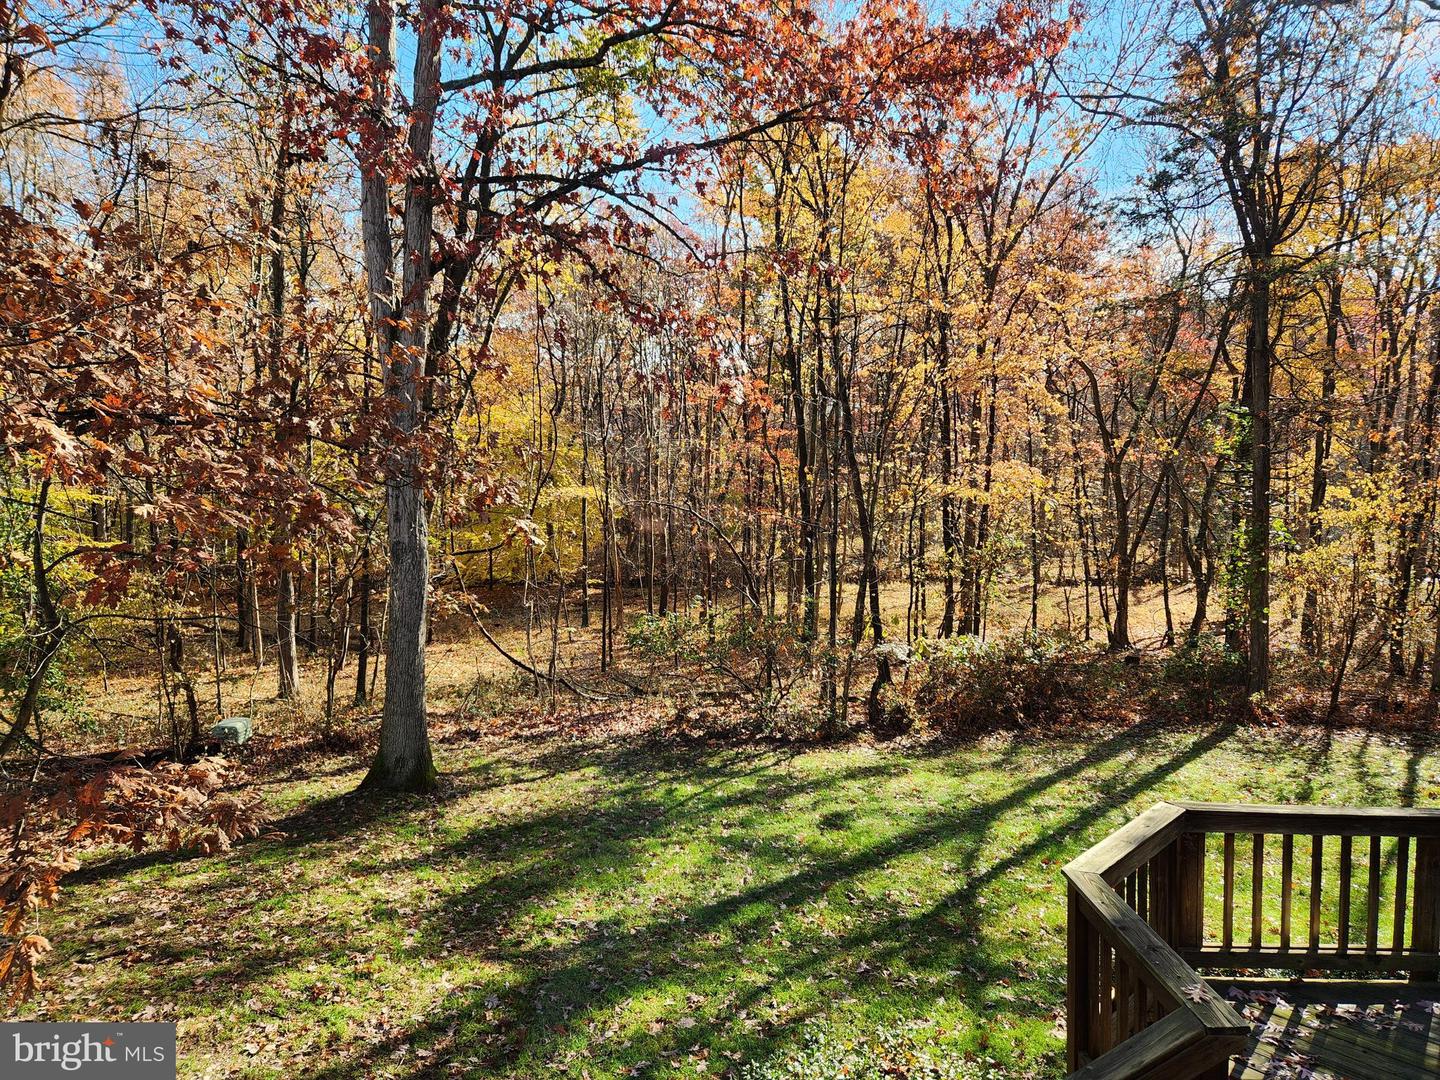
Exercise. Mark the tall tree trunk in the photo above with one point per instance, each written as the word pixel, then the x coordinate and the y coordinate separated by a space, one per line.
pixel 947 500
pixel 52 629
pixel 286 616
pixel 1034 537
pixel 980 573
pixel 1319 473
pixel 585 532
pixel 312 622
pixel 1415 519
pixel 869 586
pixel 1197 554
pixel 185 746
pixel 247 602
pixel 403 760
pixel 808 536
pixel 1124 564
pixel 804 438
pixel 968 620
pixel 362 656
pixel 1258 531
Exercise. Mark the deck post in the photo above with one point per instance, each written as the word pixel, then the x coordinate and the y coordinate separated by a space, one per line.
pixel 1425 930
pixel 1189 895
pixel 1080 981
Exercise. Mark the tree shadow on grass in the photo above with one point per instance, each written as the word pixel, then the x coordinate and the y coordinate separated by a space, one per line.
pixel 916 955
pixel 552 899
pixel 327 819
pixel 228 898
pixel 1417 747
pixel 336 817
pixel 1318 762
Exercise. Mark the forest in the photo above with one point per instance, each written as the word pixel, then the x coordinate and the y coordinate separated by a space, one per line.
pixel 635 537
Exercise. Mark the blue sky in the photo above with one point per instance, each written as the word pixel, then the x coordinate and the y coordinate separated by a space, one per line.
pixel 1110 41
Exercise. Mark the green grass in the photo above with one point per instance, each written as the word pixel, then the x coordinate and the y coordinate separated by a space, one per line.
pixel 582 910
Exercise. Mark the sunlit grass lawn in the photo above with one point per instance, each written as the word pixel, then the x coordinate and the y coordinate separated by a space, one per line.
pixel 624 910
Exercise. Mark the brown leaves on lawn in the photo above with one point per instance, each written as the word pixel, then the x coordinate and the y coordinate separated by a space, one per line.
pixel 17 967
pixel 168 805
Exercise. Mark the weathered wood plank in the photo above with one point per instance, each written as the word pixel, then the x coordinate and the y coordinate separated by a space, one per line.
pixel 1102 1028
pixel 1176 1048
pixel 1079 979
pixel 1402 869
pixel 1372 899
pixel 1425 927
pixel 1324 959
pixel 1346 859
pixel 1124 997
pixel 1228 932
pixel 1189 929
pixel 1257 891
pixel 1287 873
pixel 1361 1031
pixel 1162 892
pixel 1133 844
pixel 1330 820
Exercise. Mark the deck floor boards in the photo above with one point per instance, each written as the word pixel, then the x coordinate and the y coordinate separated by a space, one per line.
pixel 1323 1029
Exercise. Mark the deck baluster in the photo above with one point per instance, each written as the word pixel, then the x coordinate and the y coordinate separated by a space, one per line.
pixel 1189 926
pixel 1287 872
pixel 1079 980
pixel 1402 869
pixel 1229 931
pixel 1425 930
pixel 1103 1030
pixel 1372 900
pixel 1257 892
pixel 1342 946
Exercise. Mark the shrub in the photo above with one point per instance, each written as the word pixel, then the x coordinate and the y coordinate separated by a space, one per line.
pixel 760 657
pixel 965 686
pixel 661 637
pixel 1204 672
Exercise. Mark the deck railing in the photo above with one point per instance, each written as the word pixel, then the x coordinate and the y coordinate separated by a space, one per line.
pixel 1160 897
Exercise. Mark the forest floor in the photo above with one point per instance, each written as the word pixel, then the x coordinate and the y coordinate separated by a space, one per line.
pixel 586 899
pixel 121 704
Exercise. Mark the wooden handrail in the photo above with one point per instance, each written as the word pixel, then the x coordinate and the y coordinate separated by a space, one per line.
pixel 1133 844
pixel 1401 930
pixel 1302 820
pixel 1137 1008
pixel 1157 1053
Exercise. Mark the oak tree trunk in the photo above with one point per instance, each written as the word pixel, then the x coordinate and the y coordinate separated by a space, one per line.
pixel 403 761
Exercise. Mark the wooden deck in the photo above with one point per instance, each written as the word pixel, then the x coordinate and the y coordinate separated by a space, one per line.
pixel 1353 892
pixel 1336 1030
